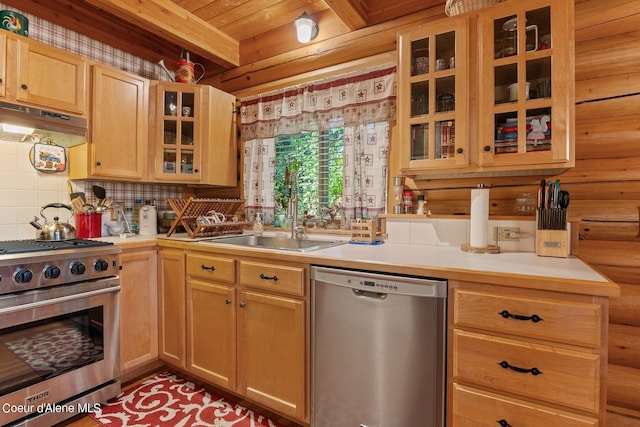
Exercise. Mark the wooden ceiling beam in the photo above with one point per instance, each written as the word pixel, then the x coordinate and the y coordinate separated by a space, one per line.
pixel 175 24
pixel 352 12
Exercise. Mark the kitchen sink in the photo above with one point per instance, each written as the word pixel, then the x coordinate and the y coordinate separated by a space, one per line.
pixel 280 243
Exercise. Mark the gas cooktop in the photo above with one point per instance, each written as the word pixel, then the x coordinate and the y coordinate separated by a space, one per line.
pixel 27 246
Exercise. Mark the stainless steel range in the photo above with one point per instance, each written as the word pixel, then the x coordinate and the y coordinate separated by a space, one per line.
pixel 59 344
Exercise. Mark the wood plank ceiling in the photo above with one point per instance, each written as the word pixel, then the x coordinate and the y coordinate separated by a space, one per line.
pixel 221 34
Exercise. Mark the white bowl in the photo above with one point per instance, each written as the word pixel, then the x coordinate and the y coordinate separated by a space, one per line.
pixel 115 230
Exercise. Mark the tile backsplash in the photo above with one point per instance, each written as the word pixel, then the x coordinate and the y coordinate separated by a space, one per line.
pixel 455 232
pixel 24 190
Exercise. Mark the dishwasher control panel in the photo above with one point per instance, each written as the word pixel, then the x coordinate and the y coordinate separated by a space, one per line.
pixel 381 282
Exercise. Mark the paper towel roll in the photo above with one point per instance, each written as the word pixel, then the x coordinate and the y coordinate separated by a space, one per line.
pixel 479 229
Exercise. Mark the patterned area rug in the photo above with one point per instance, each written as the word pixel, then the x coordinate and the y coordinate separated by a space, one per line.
pixel 168 400
pixel 57 350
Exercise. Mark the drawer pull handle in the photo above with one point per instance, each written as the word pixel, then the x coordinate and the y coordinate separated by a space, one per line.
pixel 204 267
pixel 533 371
pixel 534 317
pixel 503 423
pixel 263 277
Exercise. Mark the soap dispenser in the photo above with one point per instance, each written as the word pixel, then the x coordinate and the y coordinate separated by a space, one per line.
pixel 258 225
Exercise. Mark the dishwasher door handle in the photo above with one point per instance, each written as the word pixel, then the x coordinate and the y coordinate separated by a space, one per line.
pixel 368 294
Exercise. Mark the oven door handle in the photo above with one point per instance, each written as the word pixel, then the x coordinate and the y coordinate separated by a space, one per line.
pixel 58 300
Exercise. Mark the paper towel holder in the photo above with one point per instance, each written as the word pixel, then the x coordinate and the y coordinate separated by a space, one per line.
pixel 491 249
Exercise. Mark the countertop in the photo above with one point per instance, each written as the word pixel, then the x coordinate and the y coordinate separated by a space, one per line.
pixel 519 269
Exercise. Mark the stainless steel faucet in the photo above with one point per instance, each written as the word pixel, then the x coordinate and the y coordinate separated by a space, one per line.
pixel 297 232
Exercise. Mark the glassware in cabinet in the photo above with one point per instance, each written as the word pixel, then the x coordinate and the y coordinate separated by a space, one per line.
pixel 432 76
pixel 178 144
pixel 519 103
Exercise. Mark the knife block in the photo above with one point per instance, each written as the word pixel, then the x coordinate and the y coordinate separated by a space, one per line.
pixel 553 243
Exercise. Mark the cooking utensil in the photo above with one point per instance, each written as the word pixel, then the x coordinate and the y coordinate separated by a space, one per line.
pixel 54 230
pixel 77 203
pixel 74 194
pixel 100 193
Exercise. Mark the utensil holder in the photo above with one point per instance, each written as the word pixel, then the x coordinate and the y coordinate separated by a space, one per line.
pixel 363 230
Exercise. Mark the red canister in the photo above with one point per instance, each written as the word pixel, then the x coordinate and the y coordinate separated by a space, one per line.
pixel 88 224
pixel 407 201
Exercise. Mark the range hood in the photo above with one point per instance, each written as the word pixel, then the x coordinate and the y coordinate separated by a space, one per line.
pixel 42 120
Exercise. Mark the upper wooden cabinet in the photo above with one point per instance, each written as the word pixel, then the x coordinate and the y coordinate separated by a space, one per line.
pixel 527 95
pixel 506 106
pixel 3 63
pixel 433 96
pixel 118 139
pixel 36 74
pixel 193 135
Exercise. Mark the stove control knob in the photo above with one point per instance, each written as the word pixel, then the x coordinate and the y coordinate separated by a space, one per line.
pixel 77 268
pixel 101 265
pixel 52 272
pixel 23 275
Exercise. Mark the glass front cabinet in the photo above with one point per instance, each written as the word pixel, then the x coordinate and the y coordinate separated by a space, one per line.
pixel 178 132
pixel 527 95
pixel 195 135
pixel 477 93
pixel 433 96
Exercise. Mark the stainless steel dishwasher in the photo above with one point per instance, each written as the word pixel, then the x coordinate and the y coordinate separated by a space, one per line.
pixel 378 349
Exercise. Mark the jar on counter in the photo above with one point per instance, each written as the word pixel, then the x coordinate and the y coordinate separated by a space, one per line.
pixel 407 202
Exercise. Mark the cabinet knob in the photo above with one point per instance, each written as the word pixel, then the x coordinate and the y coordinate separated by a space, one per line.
pixel 227 301
pixel 242 305
pixel 503 423
pixel 195 171
pixel 98 164
pixel 487 148
pixel 24 86
pixel 459 151
pixel 1 81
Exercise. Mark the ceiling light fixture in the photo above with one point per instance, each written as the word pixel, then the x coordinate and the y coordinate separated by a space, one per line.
pixel 306 28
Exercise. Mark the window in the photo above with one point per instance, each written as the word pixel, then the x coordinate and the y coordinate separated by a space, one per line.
pixel 319 159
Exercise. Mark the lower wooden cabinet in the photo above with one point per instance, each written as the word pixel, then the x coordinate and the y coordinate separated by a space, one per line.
pixel 243 326
pixel 515 360
pixel 478 408
pixel 271 351
pixel 138 308
pixel 171 307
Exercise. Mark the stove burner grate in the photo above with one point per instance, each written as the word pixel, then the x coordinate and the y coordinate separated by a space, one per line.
pixel 26 246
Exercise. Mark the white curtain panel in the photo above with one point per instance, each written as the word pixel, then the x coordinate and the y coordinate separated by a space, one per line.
pixel 363 102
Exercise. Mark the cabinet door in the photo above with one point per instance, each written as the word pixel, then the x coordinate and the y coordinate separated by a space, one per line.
pixel 51 78
pixel 3 64
pixel 171 300
pixel 119 135
pixel 271 351
pixel 220 136
pixel 177 144
pixel 211 332
pixel 138 309
pixel 433 96
pixel 527 93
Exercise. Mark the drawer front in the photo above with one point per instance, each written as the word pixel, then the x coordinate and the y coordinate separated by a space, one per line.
pixel 476 408
pixel 281 278
pixel 553 320
pixel 542 372
pixel 211 268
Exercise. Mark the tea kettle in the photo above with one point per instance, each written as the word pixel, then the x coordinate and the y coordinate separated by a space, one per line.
pixel 54 230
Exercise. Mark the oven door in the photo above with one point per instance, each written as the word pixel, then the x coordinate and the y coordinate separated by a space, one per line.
pixel 57 345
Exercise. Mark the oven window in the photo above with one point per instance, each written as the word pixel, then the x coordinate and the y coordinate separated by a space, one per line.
pixel 40 350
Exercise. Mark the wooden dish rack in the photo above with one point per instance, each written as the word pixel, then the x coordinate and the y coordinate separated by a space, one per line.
pixel 189 210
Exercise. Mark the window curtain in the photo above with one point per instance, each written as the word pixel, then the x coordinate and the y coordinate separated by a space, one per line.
pixel 363 103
